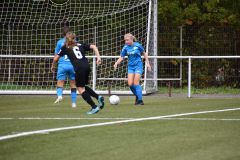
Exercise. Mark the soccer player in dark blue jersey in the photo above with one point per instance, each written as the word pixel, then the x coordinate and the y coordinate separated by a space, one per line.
pixel 65 69
pixel 76 53
pixel 134 51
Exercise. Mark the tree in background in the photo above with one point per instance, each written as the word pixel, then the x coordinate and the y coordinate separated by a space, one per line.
pixel 199 12
pixel 210 27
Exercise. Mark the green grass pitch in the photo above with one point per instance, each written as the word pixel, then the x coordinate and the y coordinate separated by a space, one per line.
pixel 197 137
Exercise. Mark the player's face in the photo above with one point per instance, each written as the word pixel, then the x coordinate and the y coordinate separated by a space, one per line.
pixel 128 41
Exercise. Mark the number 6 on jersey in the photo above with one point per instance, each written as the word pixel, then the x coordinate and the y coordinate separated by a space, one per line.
pixel 77 53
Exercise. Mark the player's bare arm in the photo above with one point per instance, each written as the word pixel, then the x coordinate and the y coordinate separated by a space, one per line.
pixel 95 49
pixel 145 54
pixel 120 59
pixel 55 60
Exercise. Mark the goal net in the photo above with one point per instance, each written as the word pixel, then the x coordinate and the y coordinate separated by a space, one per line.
pixel 31 28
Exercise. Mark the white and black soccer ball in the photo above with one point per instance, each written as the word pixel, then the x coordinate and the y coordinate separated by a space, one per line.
pixel 114 99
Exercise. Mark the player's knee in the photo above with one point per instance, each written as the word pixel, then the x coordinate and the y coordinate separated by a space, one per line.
pixel 60 83
pixel 72 84
pixel 137 78
pixel 130 84
pixel 130 81
pixel 136 83
pixel 81 90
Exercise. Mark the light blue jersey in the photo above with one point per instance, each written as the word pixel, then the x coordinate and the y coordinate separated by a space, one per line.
pixel 64 59
pixel 134 53
pixel 64 65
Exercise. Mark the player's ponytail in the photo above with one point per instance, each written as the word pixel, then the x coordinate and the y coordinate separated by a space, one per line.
pixel 70 40
pixel 134 39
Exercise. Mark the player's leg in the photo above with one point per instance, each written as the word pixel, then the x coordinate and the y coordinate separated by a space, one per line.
pixel 60 84
pixel 86 96
pixel 61 77
pixel 73 93
pixel 138 89
pixel 95 95
pixel 71 74
pixel 131 80
pixel 91 92
pixel 82 80
pixel 137 76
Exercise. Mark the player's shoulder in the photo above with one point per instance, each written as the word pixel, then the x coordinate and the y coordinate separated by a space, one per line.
pixel 84 46
pixel 137 44
pixel 63 48
pixel 61 42
pixel 80 45
pixel 125 46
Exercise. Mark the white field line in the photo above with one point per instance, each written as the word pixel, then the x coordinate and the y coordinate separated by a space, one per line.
pixel 109 123
pixel 69 118
pixel 61 118
pixel 204 119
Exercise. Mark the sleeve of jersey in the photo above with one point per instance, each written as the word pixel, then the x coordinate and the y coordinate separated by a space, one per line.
pixel 58 48
pixel 86 47
pixel 60 53
pixel 123 52
pixel 141 49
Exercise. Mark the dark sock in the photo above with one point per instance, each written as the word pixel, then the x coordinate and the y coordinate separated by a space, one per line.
pixel 88 99
pixel 91 92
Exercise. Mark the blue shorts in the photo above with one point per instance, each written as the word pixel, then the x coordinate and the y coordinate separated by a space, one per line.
pixel 65 70
pixel 136 69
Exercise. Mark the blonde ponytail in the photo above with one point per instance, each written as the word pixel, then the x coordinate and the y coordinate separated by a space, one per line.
pixel 134 39
pixel 70 40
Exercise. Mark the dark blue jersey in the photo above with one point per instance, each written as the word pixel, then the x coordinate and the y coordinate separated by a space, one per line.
pixel 134 53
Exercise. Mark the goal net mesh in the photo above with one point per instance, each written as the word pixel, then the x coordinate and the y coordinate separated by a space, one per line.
pixel 31 28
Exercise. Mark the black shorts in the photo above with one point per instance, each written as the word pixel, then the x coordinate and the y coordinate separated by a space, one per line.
pixel 82 72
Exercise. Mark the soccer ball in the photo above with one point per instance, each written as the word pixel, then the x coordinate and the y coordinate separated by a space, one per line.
pixel 114 99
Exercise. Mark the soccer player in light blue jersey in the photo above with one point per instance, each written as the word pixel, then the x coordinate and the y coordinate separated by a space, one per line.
pixel 65 69
pixel 134 51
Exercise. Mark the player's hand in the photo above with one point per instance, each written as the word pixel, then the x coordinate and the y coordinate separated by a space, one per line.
pixel 149 67
pixel 99 61
pixel 115 66
pixel 53 68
